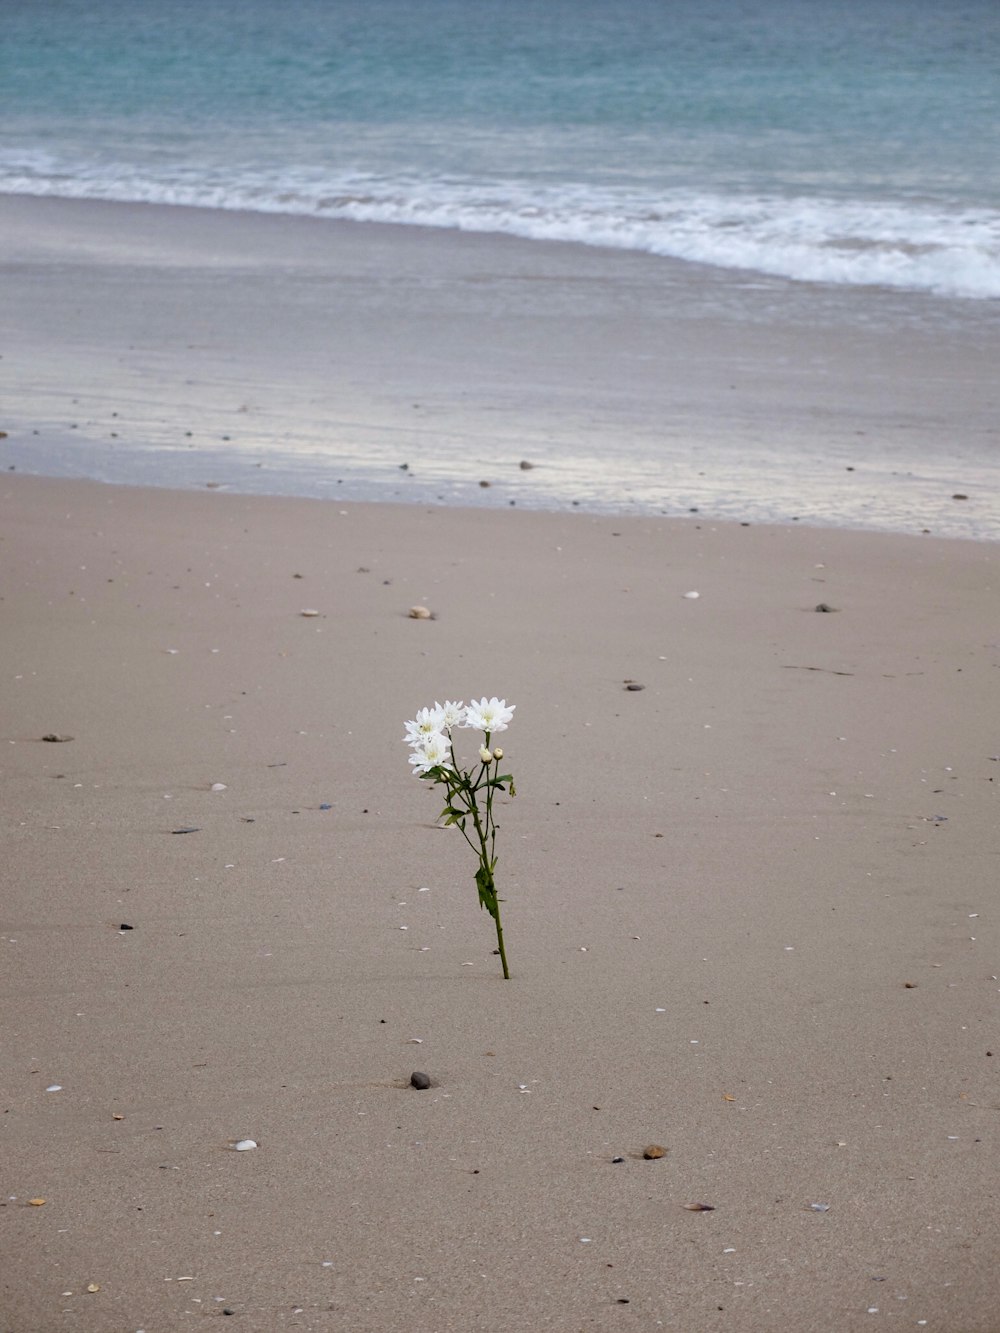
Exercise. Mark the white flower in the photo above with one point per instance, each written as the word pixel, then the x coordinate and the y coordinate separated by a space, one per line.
pixel 428 722
pixel 485 755
pixel 489 715
pixel 432 752
pixel 454 713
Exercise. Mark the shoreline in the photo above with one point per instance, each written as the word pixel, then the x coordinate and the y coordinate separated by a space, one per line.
pixel 165 345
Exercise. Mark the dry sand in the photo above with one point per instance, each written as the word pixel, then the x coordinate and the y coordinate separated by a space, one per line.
pixel 750 911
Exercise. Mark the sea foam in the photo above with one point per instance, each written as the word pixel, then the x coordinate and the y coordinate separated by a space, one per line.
pixel 920 245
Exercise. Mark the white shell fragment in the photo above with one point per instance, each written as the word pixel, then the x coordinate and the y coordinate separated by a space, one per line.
pixel 219 786
pixel 244 1145
pixel 308 611
pixel 692 596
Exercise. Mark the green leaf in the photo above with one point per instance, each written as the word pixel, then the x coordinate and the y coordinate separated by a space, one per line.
pixel 487 892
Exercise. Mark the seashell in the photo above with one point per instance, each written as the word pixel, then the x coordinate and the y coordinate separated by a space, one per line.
pixel 419 613
pixel 244 1145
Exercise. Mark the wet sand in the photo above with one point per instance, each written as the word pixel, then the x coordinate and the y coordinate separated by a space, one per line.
pixel 289 355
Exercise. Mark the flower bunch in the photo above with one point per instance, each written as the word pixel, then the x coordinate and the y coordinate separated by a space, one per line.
pixel 429 736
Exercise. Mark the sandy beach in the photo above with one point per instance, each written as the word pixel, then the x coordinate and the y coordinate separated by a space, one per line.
pixel 750 912
pixel 292 355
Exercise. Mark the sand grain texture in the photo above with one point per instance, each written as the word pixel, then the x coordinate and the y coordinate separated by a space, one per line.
pixel 750 916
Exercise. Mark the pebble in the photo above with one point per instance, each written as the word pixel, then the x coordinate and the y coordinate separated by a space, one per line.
pixel 54 738
pixel 825 606
pixel 245 1145
pixel 219 786
pixel 419 613
pixel 420 1080
pixel 653 1151
pixel 634 685
pixel 309 611
pixel 692 596
pixel 525 465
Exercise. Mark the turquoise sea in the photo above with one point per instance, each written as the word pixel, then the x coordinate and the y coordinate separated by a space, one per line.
pixel 853 143
pixel 815 160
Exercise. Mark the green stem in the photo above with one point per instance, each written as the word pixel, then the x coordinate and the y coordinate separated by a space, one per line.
pixel 503 951
pixel 487 866
pixel 464 788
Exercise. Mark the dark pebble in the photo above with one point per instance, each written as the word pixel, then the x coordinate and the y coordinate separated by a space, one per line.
pixel 326 806
pixel 419 1080
pixel 634 685
pixel 616 1160
pixel 825 606
pixel 959 496
pixel 54 738
pixel 185 830
pixel 125 926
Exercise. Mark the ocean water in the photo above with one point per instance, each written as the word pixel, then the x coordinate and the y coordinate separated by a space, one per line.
pixel 834 163
pixel 853 142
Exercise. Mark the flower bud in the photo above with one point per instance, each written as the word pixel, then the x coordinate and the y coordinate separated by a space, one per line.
pixel 498 753
pixel 484 754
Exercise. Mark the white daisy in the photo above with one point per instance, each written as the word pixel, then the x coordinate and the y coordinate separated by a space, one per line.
pixel 428 722
pixel 433 752
pixel 489 715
